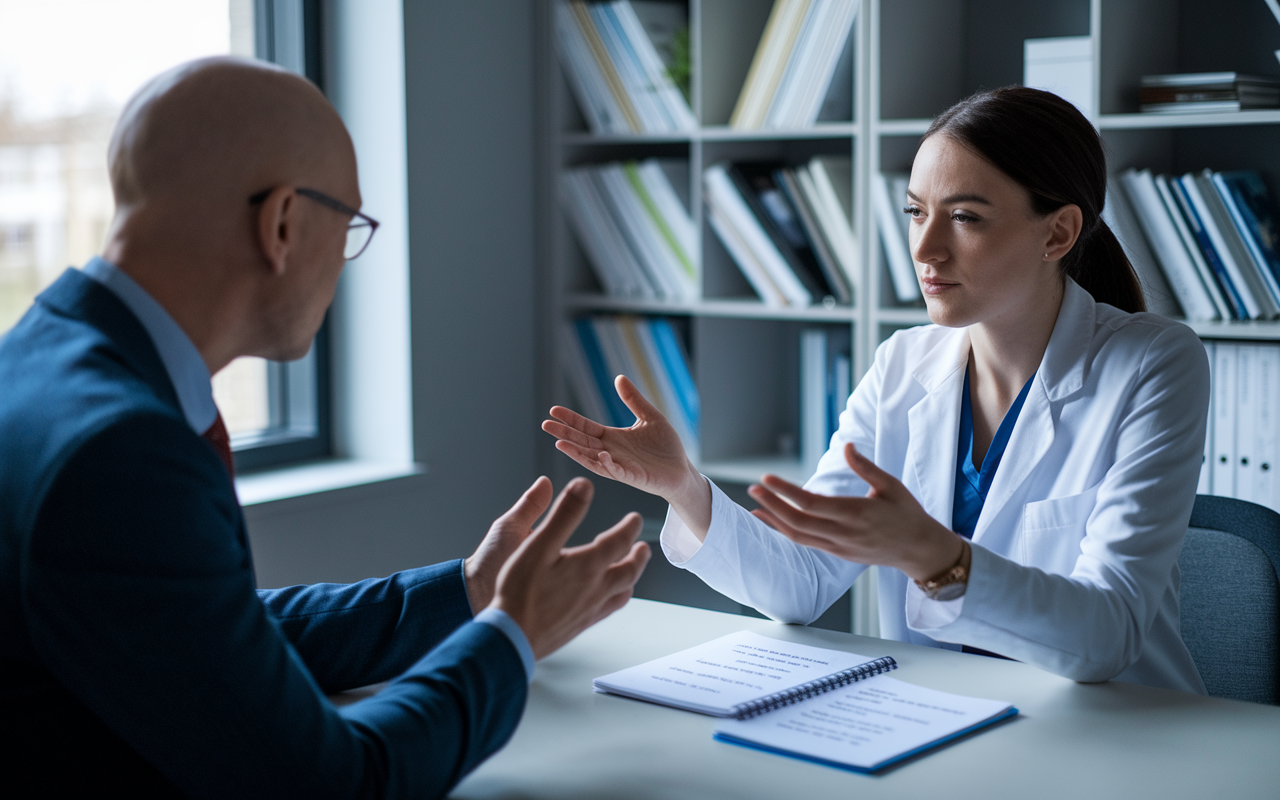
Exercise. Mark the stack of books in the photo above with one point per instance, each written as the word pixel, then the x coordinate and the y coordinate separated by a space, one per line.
pixel 621 82
pixel 889 196
pixel 787 228
pixel 803 44
pixel 646 350
pixel 1191 93
pixel 634 227
pixel 1214 236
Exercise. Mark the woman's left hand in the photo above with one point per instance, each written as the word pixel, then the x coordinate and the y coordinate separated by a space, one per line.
pixel 887 526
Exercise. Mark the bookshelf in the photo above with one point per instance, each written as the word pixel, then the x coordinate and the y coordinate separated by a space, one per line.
pixel 910 61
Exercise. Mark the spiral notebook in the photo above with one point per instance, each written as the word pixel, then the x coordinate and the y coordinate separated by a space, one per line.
pixel 828 706
pixel 741 675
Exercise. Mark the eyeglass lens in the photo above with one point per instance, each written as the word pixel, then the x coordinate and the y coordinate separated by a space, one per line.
pixel 358 236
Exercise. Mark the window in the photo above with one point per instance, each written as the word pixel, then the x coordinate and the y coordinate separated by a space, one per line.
pixel 66 69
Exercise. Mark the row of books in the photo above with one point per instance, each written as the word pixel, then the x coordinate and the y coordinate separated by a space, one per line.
pixel 1242 446
pixel 802 48
pixel 888 194
pixel 825 374
pixel 787 228
pixel 1214 236
pixel 634 227
pixel 621 82
pixel 646 350
pixel 1198 92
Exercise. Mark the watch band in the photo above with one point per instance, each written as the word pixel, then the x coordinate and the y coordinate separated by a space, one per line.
pixel 951 583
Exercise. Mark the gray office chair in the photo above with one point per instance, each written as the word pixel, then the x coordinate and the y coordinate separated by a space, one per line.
pixel 1230 597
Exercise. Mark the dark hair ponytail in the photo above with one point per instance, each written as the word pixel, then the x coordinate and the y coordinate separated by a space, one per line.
pixel 1046 145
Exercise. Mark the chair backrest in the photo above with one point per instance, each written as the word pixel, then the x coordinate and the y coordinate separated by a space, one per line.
pixel 1230 597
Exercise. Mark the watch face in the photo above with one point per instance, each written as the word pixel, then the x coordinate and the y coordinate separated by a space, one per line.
pixel 951 591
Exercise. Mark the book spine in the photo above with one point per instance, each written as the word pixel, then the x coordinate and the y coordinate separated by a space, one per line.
pixel 1242 305
pixel 813 688
pixel 596 45
pixel 905 286
pixel 1173 212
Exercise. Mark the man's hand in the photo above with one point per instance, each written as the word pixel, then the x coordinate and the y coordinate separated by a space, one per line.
pixel 554 593
pixel 504 536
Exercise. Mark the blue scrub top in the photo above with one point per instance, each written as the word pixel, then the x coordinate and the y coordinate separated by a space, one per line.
pixel 972 483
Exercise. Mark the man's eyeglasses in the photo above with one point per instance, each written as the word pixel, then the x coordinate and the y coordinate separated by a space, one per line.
pixel 359 232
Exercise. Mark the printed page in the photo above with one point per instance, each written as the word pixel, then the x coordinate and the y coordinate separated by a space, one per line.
pixel 714 677
pixel 865 724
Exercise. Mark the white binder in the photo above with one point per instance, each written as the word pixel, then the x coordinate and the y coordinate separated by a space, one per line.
pixel 1246 416
pixel 1267 391
pixel 1224 419
pixel 1205 486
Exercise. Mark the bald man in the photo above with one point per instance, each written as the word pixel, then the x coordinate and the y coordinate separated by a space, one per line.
pixel 135 653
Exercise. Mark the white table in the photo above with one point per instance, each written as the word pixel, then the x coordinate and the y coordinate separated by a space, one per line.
pixel 1079 741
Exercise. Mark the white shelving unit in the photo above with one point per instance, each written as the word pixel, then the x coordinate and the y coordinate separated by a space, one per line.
pixel 911 61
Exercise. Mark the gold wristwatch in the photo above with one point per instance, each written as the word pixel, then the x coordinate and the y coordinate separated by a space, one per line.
pixel 949 584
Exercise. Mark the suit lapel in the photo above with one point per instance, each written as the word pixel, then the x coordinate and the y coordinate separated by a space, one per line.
pixel 933 424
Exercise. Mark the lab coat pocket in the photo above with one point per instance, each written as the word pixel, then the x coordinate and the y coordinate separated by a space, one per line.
pixel 1052 530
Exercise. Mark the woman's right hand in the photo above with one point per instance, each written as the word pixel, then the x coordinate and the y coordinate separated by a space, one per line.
pixel 648 455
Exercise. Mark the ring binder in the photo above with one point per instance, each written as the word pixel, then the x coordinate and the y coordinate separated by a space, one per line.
pixel 813 688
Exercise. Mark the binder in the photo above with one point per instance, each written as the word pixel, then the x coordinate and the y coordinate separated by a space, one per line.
pixel 1246 411
pixel 888 220
pixel 1224 420
pixel 1229 277
pixel 813 397
pixel 1267 389
pixel 1120 217
pixel 1205 486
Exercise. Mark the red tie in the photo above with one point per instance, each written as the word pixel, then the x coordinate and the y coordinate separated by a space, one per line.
pixel 217 437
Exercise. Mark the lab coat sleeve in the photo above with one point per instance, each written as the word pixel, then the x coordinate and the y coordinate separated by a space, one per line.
pixel 1091 625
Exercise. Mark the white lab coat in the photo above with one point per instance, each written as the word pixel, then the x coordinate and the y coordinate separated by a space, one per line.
pixel 1075 553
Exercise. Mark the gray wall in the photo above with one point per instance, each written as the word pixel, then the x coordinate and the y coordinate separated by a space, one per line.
pixel 470 113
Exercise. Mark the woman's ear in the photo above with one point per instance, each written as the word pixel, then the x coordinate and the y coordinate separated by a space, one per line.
pixel 277 227
pixel 1064 230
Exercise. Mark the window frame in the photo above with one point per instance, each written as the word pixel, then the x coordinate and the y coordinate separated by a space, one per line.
pixel 299 393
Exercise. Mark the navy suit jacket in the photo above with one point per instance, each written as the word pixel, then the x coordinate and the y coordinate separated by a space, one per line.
pixel 135 651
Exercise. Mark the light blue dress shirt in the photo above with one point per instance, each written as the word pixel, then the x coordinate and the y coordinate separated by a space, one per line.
pixel 194 387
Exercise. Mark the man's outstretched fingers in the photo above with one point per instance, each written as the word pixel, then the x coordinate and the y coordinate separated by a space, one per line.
pixel 614 544
pixel 531 504
pixel 566 514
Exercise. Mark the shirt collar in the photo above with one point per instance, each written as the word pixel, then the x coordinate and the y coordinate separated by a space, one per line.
pixel 179 355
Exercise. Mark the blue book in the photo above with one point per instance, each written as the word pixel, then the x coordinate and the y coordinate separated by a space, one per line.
pixel 620 415
pixel 678 370
pixel 1246 198
pixel 1229 290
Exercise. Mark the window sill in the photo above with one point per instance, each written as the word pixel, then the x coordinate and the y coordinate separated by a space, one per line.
pixel 302 483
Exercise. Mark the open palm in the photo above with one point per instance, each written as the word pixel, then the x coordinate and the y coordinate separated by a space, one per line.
pixel 648 455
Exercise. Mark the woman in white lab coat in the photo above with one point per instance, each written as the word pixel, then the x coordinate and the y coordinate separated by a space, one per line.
pixel 1021 472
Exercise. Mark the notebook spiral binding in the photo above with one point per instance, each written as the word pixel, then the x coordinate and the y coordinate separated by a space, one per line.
pixel 804 691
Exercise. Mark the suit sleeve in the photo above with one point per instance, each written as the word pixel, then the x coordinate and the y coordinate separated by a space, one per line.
pixel 139 599
pixel 356 634
pixel 1092 624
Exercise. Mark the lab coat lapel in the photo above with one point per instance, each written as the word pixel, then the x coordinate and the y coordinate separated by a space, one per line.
pixel 933 424
pixel 1061 374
